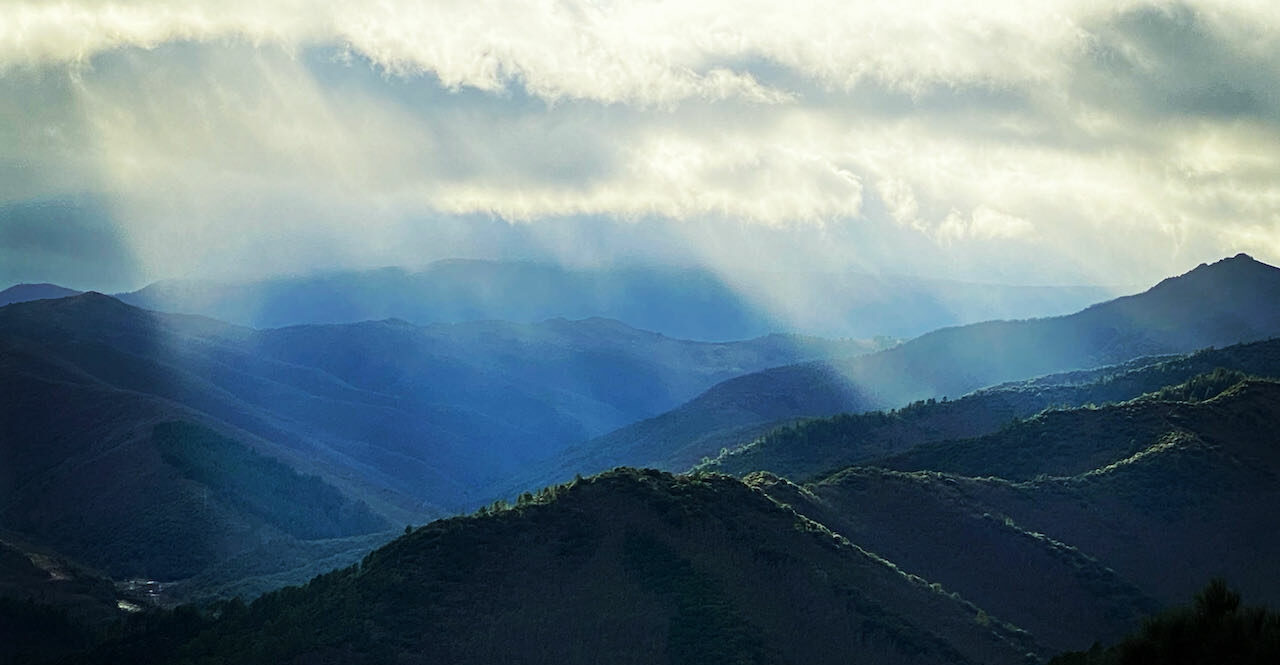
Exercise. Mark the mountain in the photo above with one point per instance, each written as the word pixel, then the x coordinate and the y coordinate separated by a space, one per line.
pixel 1070 528
pixel 174 446
pixel 601 372
pixel 630 566
pixel 28 292
pixel 1073 441
pixel 1231 301
pixel 807 449
pixel 1150 495
pixel 684 303
pixel 51 607
pixel 1217 629
pixel 141 487
pixel 1075 524
pixel 925 525
pixel 1194 503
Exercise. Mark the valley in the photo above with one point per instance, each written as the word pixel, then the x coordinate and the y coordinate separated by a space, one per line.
pixel 1114 472
pixel 659 333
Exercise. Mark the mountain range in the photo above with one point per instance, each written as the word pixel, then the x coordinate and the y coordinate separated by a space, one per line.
pixel 630 566
pixel 996 493
pixel 805 450
pixel 1139 501
pixel 382 422
pixel 686 303
pixel 1221 304
pixel 894 566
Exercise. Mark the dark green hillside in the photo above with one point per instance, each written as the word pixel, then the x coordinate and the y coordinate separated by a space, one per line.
pixel 1200 387
pixel 133 485
pixel 627 567
pixel 31 574
pixel 1196 502
pixel 1134 505
pixel 926 524
pixel 808 449
pixel 49 607
pixel 1216 629
pixel 1075 441
pixel 32 632
pixel 302 506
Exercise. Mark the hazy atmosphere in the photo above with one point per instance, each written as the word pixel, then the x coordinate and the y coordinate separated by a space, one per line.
pixel 1059 143
pixel 639 331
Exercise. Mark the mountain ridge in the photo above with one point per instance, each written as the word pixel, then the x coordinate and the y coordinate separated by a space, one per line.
pixel 680 302
pixel 1179 315
pixel 1099 534
pixel 27 292
pixel 412 421
pixel 806 449
pixel 1069 525
pixel 628 566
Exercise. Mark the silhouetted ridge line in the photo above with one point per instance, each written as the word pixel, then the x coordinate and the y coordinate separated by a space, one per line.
pixel 28 292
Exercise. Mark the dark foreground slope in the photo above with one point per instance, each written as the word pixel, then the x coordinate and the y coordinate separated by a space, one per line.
pixel 627 567
pixel 1144 502
pixel 50 607
pixel 1231 301
pixel 1070 442
pixel 808 449
pixel 1218 628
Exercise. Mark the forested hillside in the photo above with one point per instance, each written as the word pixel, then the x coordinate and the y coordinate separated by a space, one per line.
pixel 807 449
pixel 630 566
pixel 1226 303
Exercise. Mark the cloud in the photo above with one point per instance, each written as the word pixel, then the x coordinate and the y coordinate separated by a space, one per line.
pixel 647 52
pixel 553 50
pixel 917 136
pixel 1158 60
pixel 984 224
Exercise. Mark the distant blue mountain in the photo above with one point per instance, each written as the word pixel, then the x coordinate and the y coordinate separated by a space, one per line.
pixel 119 423
pixel 688 304
pixel 29 292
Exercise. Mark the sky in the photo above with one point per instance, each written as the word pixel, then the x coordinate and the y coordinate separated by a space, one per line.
pixel 1055 142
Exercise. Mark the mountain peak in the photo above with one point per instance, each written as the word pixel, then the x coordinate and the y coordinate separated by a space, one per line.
pixel 29 292
pixel 95 299
pixel 1238 261
pixel 78 309
pixel 1239 271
